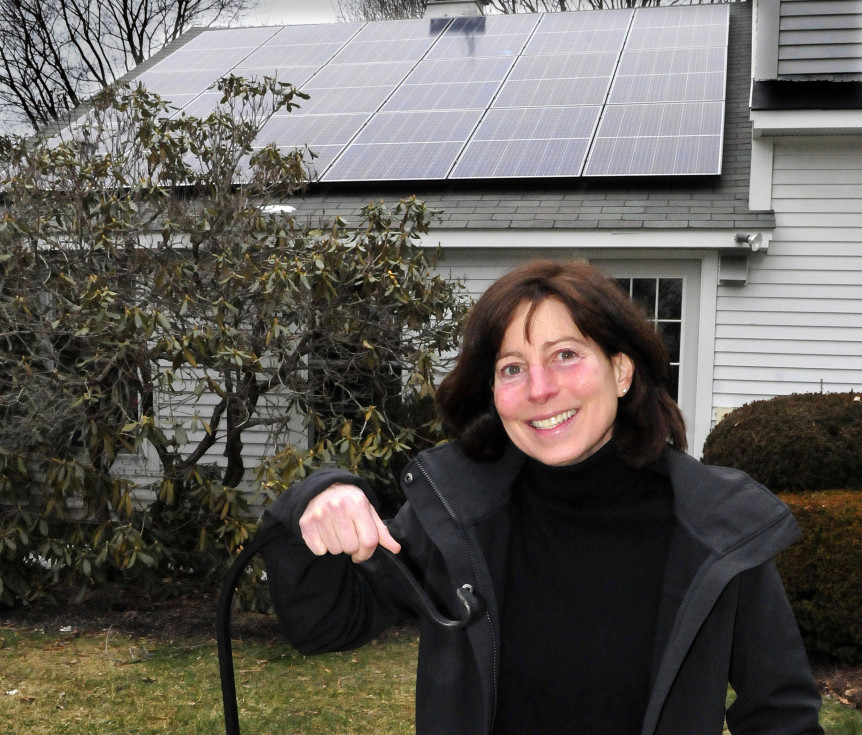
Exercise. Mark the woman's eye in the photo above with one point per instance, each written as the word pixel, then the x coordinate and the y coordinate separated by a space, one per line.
pixel 509 371
pixel 567 354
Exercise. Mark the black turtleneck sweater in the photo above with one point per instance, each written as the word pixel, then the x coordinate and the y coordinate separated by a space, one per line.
pixel 586 560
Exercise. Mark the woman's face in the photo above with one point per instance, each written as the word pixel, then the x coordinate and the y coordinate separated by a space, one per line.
pixel 556 392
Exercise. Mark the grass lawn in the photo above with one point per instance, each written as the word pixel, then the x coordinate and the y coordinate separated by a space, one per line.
pixel 97 684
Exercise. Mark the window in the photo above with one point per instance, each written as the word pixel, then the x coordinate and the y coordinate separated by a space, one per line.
pixel 661 301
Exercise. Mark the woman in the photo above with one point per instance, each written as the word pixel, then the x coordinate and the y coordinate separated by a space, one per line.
pixel 625 583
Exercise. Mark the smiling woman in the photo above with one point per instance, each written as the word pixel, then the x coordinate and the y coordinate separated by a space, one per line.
pixel 555 391
pixel 625 584
pixel 576 302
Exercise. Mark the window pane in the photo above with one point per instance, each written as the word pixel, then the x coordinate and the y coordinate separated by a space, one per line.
pixel 625 284
pixel 643 294
pixel 670 298
pixel 673 381
pixel 670 333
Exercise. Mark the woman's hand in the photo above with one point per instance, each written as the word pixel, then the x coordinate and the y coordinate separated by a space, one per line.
pixel 341 520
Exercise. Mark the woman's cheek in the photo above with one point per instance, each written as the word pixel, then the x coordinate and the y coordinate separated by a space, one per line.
pixel 504 401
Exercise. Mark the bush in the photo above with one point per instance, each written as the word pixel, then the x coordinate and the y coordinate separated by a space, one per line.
pixel 162 330
pixel 823 572
pixel 796 443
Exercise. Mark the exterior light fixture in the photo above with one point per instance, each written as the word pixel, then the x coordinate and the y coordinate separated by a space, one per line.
pixel 751 239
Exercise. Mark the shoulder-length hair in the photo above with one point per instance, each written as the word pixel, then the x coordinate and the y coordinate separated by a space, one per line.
pixel 647 417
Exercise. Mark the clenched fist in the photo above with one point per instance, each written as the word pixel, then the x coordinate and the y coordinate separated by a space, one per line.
pixel 341 520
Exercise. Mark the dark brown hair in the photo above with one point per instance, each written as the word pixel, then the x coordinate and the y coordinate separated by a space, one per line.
pixel 647 417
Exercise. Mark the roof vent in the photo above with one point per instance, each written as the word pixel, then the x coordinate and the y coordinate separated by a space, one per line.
pixel 454 8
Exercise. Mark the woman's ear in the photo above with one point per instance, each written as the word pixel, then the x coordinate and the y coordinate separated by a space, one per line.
pixel 624 370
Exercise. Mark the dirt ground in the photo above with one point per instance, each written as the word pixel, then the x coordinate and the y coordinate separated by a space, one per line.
pixel 194 616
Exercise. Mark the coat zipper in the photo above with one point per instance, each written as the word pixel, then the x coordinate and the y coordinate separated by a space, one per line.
pixel 474 567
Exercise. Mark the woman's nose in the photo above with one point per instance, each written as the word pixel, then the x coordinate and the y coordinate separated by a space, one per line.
pixel 543 384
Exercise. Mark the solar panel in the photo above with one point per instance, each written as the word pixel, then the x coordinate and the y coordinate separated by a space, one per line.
pixel 170 84
pixel 326 129
pixel 542 121
pixel 344 76
pixel 419 127
pixel 529 142
pixel 230 38
pixel 394 162
pixel 553 92
pixel 457 79
pixel 609 93
pixel 665 156
pixel 302 55
pixel 665 111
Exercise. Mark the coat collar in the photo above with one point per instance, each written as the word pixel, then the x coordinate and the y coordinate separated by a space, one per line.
pixel 474 490
pixel 724 509
pixel 720 508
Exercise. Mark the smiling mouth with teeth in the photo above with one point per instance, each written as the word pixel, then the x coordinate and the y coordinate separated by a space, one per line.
pixel 553 421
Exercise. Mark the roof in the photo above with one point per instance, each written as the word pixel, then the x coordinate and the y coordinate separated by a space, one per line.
pixel 704 202
pixel 642 203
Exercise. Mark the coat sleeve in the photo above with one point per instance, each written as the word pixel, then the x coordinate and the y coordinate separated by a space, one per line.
pixel 326 603
pixel 775 691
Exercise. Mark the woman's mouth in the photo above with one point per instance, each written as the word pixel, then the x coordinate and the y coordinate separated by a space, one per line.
pixel 552 421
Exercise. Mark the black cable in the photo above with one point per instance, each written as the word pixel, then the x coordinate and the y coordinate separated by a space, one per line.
pixel 472 609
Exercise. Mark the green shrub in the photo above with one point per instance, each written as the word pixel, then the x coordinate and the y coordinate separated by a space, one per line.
pixel 797 443
pixel 318 342
pixel 823 572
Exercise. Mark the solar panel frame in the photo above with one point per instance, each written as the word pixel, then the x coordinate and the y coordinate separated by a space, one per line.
pixel 315 33
pixel 447 96
pixel 298 76
pixel 186 60
pixel 534 122
pixel 565 66
pixel 481 69
pixel 356 99
pixel 553 92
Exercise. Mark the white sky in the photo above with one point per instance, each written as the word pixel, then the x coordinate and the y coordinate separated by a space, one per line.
pixel 284 12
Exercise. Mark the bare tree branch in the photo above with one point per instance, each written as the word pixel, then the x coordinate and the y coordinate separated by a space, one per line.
pixel 54 53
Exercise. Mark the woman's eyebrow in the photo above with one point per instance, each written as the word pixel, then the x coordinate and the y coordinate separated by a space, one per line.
pixel 546 345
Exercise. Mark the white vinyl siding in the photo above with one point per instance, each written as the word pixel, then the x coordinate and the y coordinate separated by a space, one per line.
pixel 184 408
pixel 797 325
pixel 820 39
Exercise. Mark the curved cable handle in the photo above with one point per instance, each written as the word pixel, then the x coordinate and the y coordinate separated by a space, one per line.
pixel 471 602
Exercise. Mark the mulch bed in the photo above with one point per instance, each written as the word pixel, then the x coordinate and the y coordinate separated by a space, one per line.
pixel 193 615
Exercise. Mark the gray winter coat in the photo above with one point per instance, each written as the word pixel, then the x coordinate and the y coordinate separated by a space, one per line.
pixel 724 616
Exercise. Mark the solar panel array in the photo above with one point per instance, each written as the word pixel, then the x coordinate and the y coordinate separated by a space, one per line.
pixel 594 93
pixel 665 112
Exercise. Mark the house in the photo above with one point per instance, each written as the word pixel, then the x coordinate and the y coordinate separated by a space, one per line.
pixel 708 156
